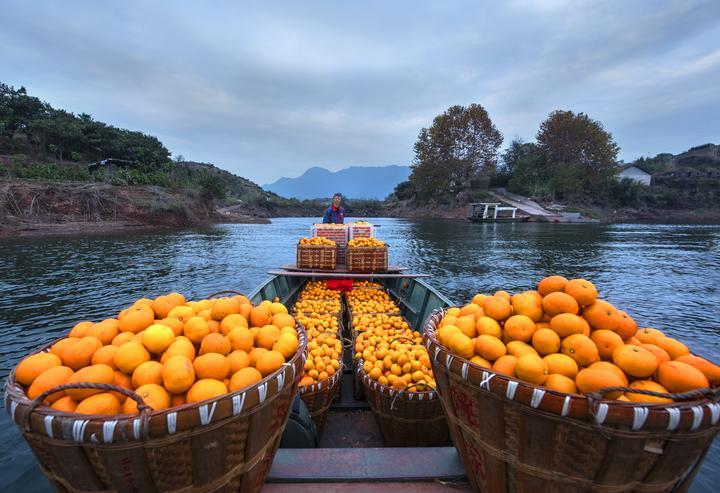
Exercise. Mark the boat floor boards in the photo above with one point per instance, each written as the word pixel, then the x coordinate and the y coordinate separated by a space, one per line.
pixel 369 487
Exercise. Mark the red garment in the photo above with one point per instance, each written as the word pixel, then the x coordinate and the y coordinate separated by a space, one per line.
pixel 340 284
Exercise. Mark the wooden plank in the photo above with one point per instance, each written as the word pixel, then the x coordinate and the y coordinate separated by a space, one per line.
pixel 344 275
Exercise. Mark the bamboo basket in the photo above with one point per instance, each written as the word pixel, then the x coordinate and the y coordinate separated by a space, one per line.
pixel 316 257
pixel 367 259
pixel 406 418
pixel 339 234
pixel 222 444
pixel 513 436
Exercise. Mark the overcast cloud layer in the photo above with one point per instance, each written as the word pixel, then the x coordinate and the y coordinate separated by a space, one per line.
pixel 269 90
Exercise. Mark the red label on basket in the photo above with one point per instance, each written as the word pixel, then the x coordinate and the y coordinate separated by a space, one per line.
pixel 476 460
pixel 464 407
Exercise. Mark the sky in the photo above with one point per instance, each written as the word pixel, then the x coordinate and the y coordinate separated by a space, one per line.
pixel 270 89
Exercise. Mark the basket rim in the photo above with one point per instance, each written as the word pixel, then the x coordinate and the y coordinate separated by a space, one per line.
pixel 578 406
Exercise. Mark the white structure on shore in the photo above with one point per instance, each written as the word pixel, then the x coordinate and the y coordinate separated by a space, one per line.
pixel 635 174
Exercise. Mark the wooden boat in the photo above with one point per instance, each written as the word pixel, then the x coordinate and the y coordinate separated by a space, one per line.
pixel 351 439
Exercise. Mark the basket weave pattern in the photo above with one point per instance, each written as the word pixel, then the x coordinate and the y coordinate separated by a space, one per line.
pixel 316 257
pixel 367 259
pixel 226 443
pixel 514 436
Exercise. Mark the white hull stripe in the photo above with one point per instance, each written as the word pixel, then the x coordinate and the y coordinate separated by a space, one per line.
pixel 537 397
pixel 601 414
pixel 238 402
pixel 109 430
pixel 511 388
pixel 48 425
pixel 698 414
pixel 207 414
pixel 673 418
pixel 566 406
pixel 172 423
pixel 640 415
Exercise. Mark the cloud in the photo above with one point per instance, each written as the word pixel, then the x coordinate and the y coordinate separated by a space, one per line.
pixel 268 91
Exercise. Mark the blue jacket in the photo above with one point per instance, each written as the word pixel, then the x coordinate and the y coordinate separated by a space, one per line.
pixel 334 217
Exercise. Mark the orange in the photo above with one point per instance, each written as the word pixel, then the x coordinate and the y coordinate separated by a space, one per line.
pixel 205 389
pixel 58 347
pixel 215 343
pixel 519 348
pixel 546 341
pixel 601 315
pixel 542 325
pixel 648 335
pixel 267 337
pixel 594 379
pixel 182 313
pixel 583 291
pixel 558 302
pixel 179 347
pixel 560 383
pixel 175 324
pixel 105 355
pixel 52 377
pixel 162 306
pixel 478 299
pixel 471 310
pixel 580 348
pixel 488 326
pixel 80 354
pixel 260 316
pixel 677 376
pixel 287 344
pixel 255 354
pixel 176 298
pixel 65 404
pixel 276 308
pixel 528 305
pixel 238 360
pixel 152 394
pixel 80 329
pixel 505 365
pixel 497 308
pixel 607 366
pixel 480 361
pixel 466 324
pixel 246 309
pixel 710 370
pixel 566 324
pixel 211 365
pixel 122 380
pixel 122 338
pixel 647 385
pixel 104 331
pixel 489 347
pixel 453 311
pixel 532 369
pixel 561 364
pixel 447 320
pixel 626 326
pixel 178 399
pixel 178 374
pixel 519 328
pixel 103 403
pixel 32 366
pixel 143 302
pixel 129 356
pixel 269 362
pixel 231 322
pixel 93 374
pixel 634 341
pixel 195 329
pixel 606 341
pixel 462 345
pixel 551 284
pixel 659 352
pixel 148 372
pixel 244 378
pixel 503 294
pixel 635 361
pixel 672 346
pixel 241 339
pixel 224 307
pixel 136 319
pixel 214 326
pixel 446 332
pixel 157 338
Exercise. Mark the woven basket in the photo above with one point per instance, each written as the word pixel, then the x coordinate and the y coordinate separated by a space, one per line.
pixel 405 418
pixel 514 436
pixel 321 257
pixel 367 259
pixel 223 444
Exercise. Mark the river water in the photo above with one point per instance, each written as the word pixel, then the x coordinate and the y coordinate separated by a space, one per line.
pixel 665 276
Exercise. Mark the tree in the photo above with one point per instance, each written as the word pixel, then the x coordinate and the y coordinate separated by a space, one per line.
pixel 461 144
pixel 579 146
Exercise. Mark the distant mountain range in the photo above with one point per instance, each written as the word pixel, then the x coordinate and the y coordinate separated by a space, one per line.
pixel 356 182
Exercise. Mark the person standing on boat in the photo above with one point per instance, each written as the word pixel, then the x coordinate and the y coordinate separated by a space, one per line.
pixel 335 214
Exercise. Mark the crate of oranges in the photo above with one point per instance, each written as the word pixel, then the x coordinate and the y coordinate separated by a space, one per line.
pixel 360 229
pixel 167 383
pixel 592 398
pixel 368 301
pixel 367 255
pixel 393 368
pixel 316 253
pixel 335 232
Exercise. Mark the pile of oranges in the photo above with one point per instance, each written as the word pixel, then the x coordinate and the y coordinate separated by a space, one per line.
pixel 370 301
pixel 367 284
pixel 317 241
pixel 383 321
pixel 366 242
pixel 562 337
pixel 324 345
pixel 168 350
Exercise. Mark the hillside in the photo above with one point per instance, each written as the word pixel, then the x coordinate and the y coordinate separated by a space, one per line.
pixel 356 182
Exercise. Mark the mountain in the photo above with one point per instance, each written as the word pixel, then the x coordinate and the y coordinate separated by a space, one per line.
pixel 356 182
